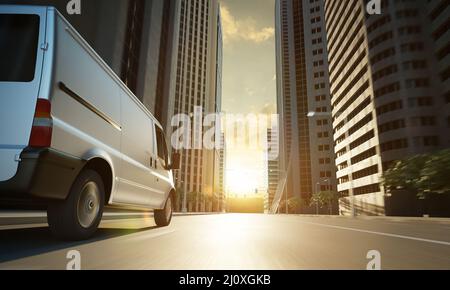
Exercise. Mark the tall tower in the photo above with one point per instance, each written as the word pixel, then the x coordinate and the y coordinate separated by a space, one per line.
pixel 306 153
pixel 388 97
pixel 195 85
pixel 222 173
pixel 273 168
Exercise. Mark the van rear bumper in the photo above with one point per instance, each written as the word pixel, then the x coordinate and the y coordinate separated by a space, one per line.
pixel 43 174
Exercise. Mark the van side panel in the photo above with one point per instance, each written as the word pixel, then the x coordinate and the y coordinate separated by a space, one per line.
pixel 138 184
pixel 85 101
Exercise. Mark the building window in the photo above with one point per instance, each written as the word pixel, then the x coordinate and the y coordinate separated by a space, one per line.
pixel 394 106
pixel 420 102
pixel 365 172
pixel 394 145
pixel 391 126
pixel 133 37
pixel 431 141
pixel 367 189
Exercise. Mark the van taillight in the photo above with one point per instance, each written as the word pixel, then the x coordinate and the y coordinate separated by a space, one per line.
pixel 41 132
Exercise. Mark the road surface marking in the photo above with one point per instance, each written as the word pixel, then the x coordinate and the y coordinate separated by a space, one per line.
pixel 380 234
pixel 43 214
pixel 23 227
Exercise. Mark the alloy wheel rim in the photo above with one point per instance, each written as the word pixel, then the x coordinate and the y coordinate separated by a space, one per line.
pixel 88 205
pixel 169 208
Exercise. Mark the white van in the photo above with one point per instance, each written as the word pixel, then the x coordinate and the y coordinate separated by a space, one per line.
pixel 73 138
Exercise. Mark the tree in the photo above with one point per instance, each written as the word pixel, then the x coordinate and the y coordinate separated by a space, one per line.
pixel 405 174
pixel 422 174
pixel 324 198
pixel 192 198
pixel 435 175
pixel 179 195
pixel 294 204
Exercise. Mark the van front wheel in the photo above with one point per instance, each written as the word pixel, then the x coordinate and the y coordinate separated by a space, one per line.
pixel 163 217
pixel 78 217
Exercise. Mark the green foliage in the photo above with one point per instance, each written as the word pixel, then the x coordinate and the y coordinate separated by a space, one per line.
pixel 405 174
pixel 294 203
pixel 423 174
pixel 435 175
pixel 192 196
pixel 323 198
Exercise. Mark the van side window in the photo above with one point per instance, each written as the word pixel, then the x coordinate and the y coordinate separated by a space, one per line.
pixel 19 36
pixel 162 147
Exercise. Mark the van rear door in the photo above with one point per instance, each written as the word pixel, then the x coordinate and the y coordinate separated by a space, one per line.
pixel 22 32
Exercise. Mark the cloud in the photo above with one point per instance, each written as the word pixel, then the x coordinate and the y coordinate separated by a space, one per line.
pixel 247 30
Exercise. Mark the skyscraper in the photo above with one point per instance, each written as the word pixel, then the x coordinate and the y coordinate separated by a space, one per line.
pixel 197 58
pixel 388 87
pixel 437 13
pixel 306 143
pixel 222 173
pixel 273 169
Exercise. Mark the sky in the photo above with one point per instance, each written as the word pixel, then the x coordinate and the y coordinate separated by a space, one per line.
pixel 249 83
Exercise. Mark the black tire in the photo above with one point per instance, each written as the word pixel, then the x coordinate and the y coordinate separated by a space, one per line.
pixel 78 217
pixel 163 217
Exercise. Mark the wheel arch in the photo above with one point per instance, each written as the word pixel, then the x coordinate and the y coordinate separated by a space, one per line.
pixel 103 168
pixel 101 162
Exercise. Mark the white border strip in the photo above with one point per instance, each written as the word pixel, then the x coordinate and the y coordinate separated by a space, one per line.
pixel 380 234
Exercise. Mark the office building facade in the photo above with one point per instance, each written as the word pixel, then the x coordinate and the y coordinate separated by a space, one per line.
pixel 306 141
pixel 388 88
pixel 196 85
pixel 273 168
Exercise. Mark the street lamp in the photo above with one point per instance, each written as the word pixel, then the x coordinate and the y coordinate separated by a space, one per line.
pixel 184 209
pixel 318 184
pixel 317 201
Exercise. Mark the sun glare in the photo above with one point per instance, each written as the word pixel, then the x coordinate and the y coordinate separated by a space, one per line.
pixel 245 172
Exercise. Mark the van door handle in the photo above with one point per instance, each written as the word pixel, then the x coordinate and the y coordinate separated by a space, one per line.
pixel 153 163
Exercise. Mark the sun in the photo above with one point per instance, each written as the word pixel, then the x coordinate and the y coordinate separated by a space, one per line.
pixel 245 172
pixel 242 182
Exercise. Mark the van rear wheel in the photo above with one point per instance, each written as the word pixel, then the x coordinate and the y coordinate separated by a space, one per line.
pixel 163 217
pixel 78 217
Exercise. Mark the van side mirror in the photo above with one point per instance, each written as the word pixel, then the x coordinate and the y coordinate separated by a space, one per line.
pixel 176 161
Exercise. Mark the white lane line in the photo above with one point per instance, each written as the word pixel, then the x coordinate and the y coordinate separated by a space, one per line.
pixel 22 227
pixel 32 214
pixel 149 236
pixel 38 214
pixel 380 234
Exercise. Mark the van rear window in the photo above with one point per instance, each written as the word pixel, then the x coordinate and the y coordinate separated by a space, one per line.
pixel 19 36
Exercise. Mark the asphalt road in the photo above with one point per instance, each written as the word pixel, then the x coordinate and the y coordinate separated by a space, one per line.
pixel 238 242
